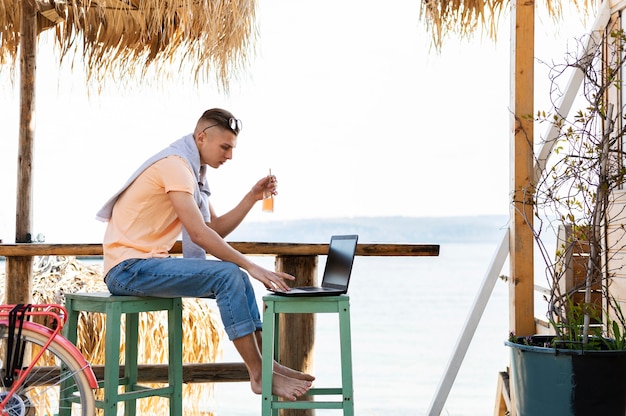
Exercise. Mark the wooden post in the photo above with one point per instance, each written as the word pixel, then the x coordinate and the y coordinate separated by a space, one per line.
pixel 19 269
pixel 521 286
pixel 297 331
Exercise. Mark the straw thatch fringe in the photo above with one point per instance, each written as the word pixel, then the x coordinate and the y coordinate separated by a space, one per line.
pixel 9 31
pixel 124 40
pixel 129 40
pixel 463 18
pixel 53 276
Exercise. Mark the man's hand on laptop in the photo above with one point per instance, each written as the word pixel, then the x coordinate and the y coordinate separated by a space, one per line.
pixel 270 279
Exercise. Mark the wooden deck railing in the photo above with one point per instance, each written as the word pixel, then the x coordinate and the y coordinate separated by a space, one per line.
pixel 296 259
pixel 275 249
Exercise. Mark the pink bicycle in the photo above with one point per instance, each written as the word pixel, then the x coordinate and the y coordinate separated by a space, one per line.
pixel 41 372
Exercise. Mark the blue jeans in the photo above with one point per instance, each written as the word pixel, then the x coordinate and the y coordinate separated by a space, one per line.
pixel 173 277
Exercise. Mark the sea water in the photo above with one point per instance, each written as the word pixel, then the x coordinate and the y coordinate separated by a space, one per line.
pixel 406 314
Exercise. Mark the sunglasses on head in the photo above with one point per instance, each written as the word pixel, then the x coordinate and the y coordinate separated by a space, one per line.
pixel 233 123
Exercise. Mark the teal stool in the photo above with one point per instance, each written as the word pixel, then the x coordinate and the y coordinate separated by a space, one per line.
pixel 274 306
pixel 131 306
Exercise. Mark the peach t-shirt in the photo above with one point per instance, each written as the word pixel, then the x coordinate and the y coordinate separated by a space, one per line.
pixel 144 223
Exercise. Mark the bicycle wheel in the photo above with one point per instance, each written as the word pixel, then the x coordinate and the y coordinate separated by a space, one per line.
pixel 40 393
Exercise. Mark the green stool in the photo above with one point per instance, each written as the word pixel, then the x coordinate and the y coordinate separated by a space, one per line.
pixel 274 306
pixel 114 307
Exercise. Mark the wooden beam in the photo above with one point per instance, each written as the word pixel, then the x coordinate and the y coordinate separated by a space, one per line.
pixel 521 283
pixel 157 373
pixel 287 249
pixel 19 269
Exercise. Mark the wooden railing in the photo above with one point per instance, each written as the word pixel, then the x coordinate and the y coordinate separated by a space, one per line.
pixel 297 259
pixel 275 249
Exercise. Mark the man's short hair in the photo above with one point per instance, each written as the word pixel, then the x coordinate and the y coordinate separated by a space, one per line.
pixel 223 118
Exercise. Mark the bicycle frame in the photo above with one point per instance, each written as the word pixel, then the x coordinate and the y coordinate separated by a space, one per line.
pixel 57 316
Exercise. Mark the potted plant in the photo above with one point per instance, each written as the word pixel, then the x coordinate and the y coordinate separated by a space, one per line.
pixel 579 367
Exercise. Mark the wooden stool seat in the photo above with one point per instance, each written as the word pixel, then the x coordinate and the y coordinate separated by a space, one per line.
pixel 274 306
pixel 130 306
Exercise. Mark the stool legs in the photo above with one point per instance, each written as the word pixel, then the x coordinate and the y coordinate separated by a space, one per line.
pixel 130 306
pixel 175 351
pixel 112 359
pixel 274 306
pixel 346 358
pixel 71 333
pixel 131 357
pixel 270 345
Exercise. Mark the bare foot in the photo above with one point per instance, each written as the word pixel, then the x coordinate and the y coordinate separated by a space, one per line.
pixel 290 372
pixel 289 388
pixel 284 386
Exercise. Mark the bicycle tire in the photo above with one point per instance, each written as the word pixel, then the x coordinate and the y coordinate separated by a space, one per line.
pixel 40 394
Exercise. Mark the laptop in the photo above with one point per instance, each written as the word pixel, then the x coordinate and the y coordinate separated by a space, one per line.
pixel 341 251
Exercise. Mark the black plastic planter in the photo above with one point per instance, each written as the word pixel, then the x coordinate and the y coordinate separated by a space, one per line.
pixel 564 382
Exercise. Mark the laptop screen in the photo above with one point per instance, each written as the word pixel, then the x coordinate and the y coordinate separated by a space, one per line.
pixel 339 261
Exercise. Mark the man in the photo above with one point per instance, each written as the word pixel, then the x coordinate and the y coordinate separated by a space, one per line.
pixel 168 194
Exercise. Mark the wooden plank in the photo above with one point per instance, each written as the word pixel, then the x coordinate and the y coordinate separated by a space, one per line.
pixel 542 327
pixel 157 373
pixel 574 262
pixel 521 311
pixel 287 249
pixel 192 373
pixel 20 249
pixel 503 400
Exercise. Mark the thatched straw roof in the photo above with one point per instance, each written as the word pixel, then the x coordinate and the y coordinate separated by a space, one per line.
pixel 125 39
pixel 463 18
pixel 136 38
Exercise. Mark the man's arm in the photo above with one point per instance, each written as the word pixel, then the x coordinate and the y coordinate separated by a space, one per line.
pixel 225 224
pixel 189 214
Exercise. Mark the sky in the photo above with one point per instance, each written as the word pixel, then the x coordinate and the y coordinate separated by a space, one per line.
pixel 346 102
